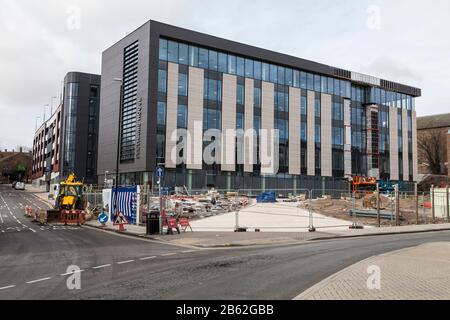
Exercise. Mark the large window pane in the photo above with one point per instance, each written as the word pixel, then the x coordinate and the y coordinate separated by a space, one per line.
pixel 240 94
pixel 249 68
pixel 324 84
pixel 257 97
pixel 330 86
pixel 265 72
pixel 231 64
pixel 161 113
pixel 337 87
pixel 257 70
pixel 289 80
pixel 317 83
pixel 183 54
pixel 223 63
pixel 273 73
pixel 303 80
pixel 239 121
pixel 240 66
pixel 163 49
pixel 193 56
pixel 173 52
pixel 213 60
pixel 296 78
pixel 310 81
pixel 162 80
pixel 182 117
pixel 281 75
pixel 303 106
pixel 203 58
pixel 182 85
pixel 317 108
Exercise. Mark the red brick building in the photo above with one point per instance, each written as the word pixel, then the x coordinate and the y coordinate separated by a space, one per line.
pixel 10 163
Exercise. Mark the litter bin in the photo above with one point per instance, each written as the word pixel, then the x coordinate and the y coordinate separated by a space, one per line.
pixel 152 223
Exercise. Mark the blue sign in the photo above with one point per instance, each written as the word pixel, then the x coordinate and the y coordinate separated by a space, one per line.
pixel 160 172
pixel 103 218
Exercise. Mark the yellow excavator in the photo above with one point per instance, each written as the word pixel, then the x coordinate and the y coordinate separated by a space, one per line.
pixel 70 197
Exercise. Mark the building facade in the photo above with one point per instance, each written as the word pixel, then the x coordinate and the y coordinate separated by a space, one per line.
pixel 67 142
pixel 433 130
pixel 331 124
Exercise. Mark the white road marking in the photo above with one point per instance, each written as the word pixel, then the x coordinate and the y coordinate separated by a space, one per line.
pixel 147 258
pixel 168 254
pixel 124 262
pixel 71 273
pixel 189 251
pixel 8 287
pixel 101 267
pixel 39 280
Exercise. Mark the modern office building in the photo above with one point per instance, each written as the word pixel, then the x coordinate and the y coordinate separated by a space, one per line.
pixel 67 142
pixel 332 123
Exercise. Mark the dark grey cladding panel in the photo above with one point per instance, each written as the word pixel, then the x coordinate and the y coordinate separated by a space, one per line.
pixel 93 79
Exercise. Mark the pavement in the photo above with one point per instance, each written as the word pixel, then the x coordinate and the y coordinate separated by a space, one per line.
pixel 418 273
pixel 271 217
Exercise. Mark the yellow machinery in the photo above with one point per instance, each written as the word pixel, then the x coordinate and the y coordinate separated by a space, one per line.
pixel 70 195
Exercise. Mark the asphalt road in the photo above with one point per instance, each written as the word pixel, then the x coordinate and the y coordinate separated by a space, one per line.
pixel 34 262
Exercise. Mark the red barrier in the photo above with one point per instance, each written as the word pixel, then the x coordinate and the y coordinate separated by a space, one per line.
pixel 184 224
pixel 72 217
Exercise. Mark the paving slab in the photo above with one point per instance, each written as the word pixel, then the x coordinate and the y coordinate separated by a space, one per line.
pixel 418 273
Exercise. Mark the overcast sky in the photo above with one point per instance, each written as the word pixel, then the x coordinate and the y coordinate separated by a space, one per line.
pixel 403 41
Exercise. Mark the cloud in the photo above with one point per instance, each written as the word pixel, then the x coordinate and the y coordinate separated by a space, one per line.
pixel 38 48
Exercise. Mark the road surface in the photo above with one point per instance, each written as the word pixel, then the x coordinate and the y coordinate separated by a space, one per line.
pixel 34 261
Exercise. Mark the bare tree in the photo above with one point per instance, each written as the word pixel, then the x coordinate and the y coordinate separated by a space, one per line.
pixel 432 150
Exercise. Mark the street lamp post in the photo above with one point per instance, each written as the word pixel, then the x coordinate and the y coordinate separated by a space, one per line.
pixel 45 108
pixel 37 118
pixel 51 105
pixel 116 183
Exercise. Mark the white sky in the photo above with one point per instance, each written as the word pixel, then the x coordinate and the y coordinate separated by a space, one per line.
pixel 405 41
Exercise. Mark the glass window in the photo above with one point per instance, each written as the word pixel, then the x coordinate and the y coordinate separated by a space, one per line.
pixel 240 97
pixel 211 119
pixel 182 85
pixel 337 87
pixel 239 120
pixel 317 108
pixel 231 64
pixel 257 70
pixel 281 75
pixel 296 78
pixel 330 86
pixel 223 62
pixel 193 56
pixel 257 97
pixel 213 63
pixel 282 126
pixel 289 79
pixel 240 66
pixel 173 52
pixel 257 124
pixel 162 80
pixel 338 136
pixel 324 85
pixel 304 106
pixel 182 117
pixel 317 83
pixel 183 54
pixel 265 72
pixel 318 134
pixel 342 88
pixel 303 132
pixel 310 81
pixel 273 73
pixel 303 80
pixel 203 58
pixel 280 101
pixel 249 68
pixel 338 112
pixel 348 89
pixel 163 49
pixel 161 113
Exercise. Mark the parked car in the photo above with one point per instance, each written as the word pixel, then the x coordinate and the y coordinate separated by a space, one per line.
pixel 20 186
pixel 14 184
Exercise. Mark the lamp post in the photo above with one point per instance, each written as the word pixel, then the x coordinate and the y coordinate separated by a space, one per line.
pixel 45 108
pixel 37 118
pixel 51 105
pixel 116 183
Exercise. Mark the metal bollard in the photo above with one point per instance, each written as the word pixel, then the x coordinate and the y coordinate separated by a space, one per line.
pixel 311 218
